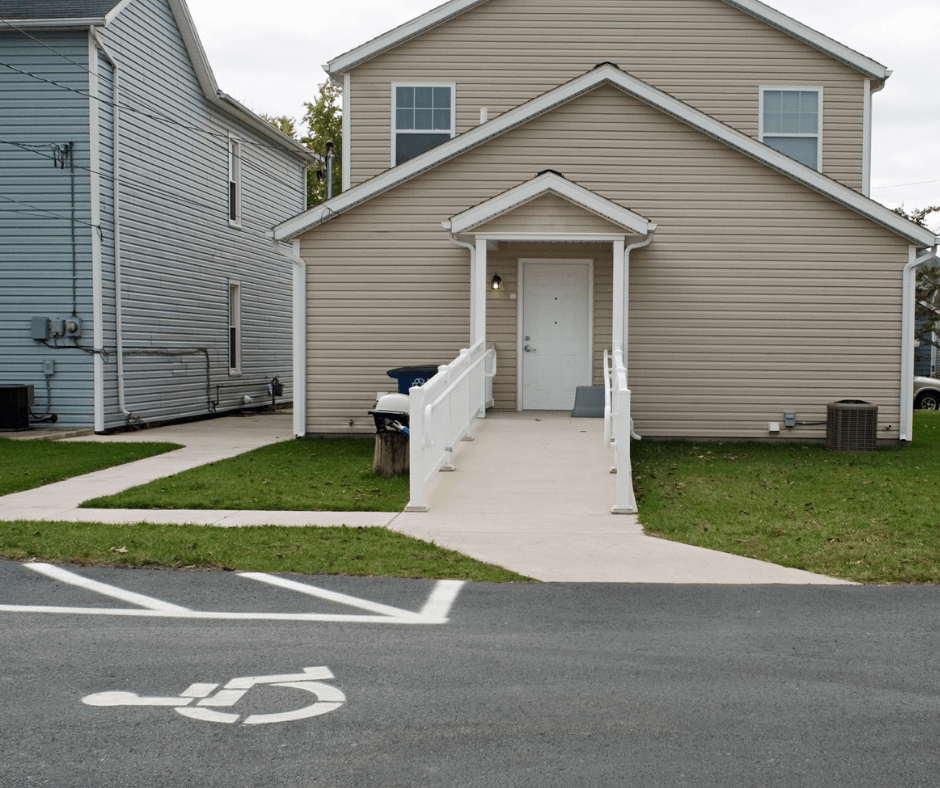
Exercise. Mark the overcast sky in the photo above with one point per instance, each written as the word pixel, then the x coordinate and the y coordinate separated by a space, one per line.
pixel 269 56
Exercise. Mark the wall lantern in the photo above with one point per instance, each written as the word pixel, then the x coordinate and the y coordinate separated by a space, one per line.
pixel 497 283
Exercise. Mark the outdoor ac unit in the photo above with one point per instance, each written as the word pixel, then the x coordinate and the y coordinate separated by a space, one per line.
pixel 851 425
pixel 14 407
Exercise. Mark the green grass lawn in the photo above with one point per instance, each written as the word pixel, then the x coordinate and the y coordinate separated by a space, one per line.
pixel 340 550
pixel 315 474
pixel 25 464
pixel 872 518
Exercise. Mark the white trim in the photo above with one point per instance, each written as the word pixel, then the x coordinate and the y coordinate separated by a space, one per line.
pixel 395 131
pixel 210 89
pixel 299 339
pixel 607 74
pixel 447 11
pixel 818 90
pixel 347 132
pixel 549 182
pixel 235 154
pixel 909 285
pixel 94 184
pixel 109 17
pixel 520 316
pixel 234 320
pixel 97 21
pixel 866 137
pixel 478 293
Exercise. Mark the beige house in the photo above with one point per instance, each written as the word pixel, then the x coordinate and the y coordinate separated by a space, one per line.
pixel 685 181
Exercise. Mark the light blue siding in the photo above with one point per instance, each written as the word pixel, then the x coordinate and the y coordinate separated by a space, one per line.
pixel 178 252
pixel 44 270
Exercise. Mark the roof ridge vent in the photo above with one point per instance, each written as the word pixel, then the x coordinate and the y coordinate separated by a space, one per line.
pixel 606 63
pixel 553 172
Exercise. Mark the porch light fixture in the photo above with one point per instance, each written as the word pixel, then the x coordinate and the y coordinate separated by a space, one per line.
pixel 497 283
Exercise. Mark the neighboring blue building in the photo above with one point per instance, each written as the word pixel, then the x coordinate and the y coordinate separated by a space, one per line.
pixel 138 279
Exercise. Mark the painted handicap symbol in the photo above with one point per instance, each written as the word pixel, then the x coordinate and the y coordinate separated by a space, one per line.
pixel 327 698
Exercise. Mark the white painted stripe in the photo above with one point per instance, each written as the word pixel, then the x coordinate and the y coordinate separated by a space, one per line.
pixel 198 614
pixel 332 596
pixel 64 576
pixel 198 690
pixel 438 606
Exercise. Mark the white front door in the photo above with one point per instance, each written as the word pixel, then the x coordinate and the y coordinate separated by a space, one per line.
pixel 555 332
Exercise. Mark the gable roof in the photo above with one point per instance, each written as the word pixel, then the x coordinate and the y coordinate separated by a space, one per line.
pixel 607 74
pixel 100 13
pixel 549 182
pixel 447 11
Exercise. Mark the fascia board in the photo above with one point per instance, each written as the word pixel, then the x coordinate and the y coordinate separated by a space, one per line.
pixel 233 107
pixel 545 184
pixel 829 46
pixel 754 8
pixel 645 93
pixel 98 21
pixel 109 17
pixel 398 35
pixel 210 88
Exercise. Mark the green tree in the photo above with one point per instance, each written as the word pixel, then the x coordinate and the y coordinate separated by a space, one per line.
pixel 324 119
pixel 283 124
pixel 927 307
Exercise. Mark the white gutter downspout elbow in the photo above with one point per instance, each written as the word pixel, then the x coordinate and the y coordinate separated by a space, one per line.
pixel 906 427
pixel 473 262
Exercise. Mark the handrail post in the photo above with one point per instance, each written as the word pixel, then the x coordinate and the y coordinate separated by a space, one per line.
pixel 626 499
pixel 416 452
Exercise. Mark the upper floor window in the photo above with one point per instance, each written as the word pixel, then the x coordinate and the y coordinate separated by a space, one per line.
pixel 791 122
pixel 423 118
pixel 234 182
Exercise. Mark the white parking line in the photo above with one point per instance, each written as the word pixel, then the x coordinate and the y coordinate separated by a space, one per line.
pixel 434 611
pixel 64 576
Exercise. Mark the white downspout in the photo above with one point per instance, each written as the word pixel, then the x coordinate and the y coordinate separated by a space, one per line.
pixel 906 427
pixel 473 266
pixel 299 342
pixel 626 299
pixel 118 299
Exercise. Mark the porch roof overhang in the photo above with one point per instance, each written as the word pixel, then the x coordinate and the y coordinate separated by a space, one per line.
pixel 549 182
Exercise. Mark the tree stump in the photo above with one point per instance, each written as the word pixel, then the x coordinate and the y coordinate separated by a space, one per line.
pixel 391 454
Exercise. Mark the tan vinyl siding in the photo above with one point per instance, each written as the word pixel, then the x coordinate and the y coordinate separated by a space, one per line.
pixel 756 295
pixel 703 52
pixel 549 213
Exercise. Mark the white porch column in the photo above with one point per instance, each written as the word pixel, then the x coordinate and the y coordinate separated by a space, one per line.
pixel 620 299
pixel 478 294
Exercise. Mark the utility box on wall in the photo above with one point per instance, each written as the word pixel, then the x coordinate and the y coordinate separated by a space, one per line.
pixel 14 407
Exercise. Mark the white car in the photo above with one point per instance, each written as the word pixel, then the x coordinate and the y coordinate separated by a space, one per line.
pixel 927 393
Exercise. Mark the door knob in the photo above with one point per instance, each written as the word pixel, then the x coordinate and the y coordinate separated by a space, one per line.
pixel 529 349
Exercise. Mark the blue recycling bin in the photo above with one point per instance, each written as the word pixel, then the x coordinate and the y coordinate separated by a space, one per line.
pixel 417 375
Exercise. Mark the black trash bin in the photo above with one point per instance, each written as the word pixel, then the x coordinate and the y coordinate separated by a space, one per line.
pixel 417 375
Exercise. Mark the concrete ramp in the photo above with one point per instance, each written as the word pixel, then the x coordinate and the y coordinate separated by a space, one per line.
pixel 533 491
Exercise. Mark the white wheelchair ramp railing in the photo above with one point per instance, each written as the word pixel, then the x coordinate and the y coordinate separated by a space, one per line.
pixel 618 428
pixel 443 411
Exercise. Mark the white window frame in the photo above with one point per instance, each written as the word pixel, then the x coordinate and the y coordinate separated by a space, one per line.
pixel 394 121
pixel 234 327
pixel 235 153
pixel 819 130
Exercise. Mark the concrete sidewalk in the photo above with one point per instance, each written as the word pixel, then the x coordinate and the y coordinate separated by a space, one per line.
pixel 532 492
